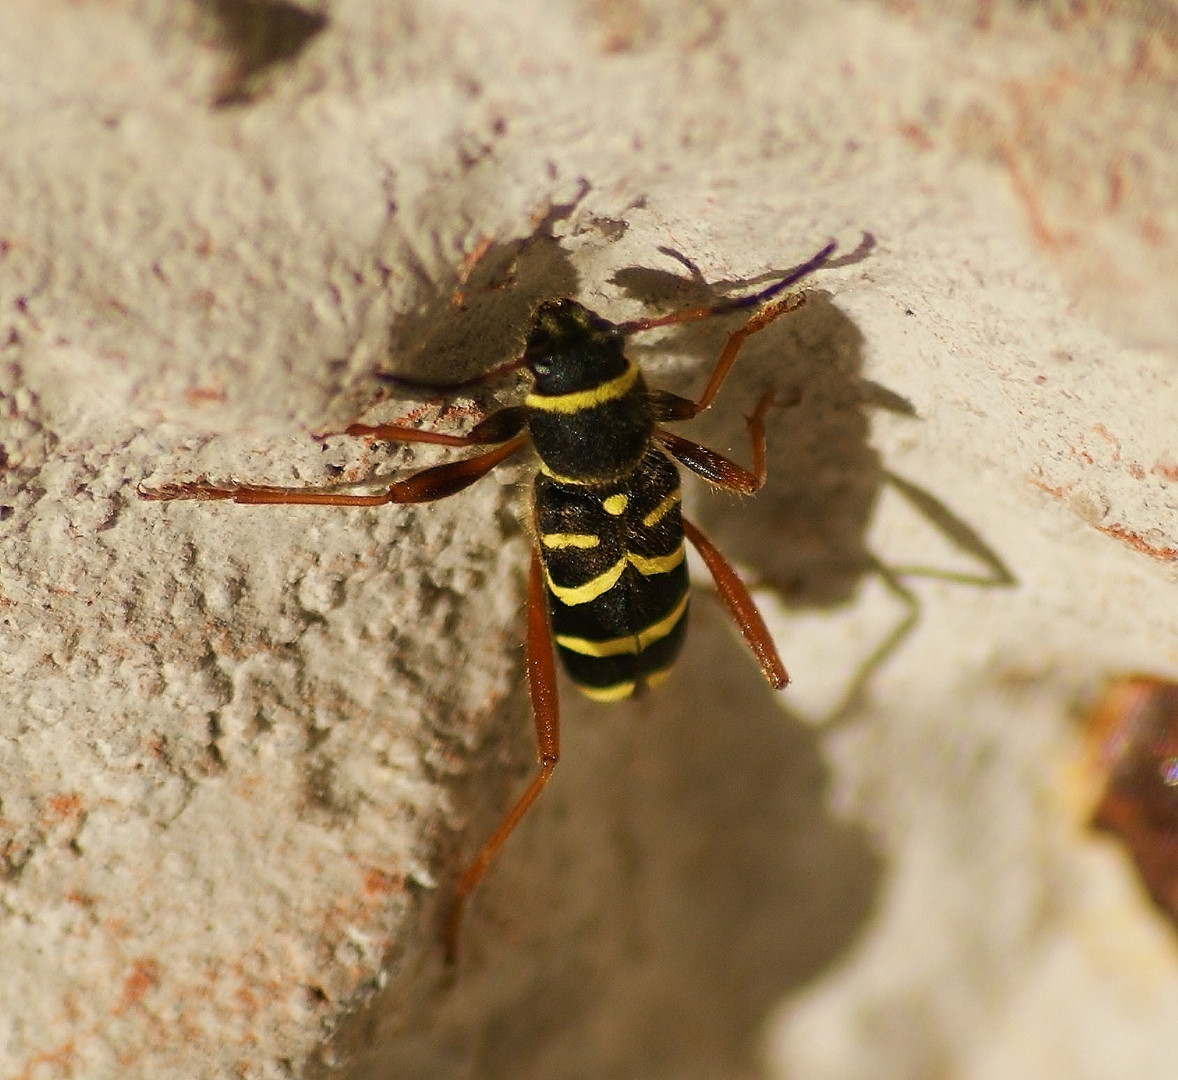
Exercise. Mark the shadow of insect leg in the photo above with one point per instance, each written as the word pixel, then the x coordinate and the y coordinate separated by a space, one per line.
pixel 958 532
pixel 963 537
pixel 853 695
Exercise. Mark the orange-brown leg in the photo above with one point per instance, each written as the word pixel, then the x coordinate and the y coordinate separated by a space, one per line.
pixel 436 482
pixel 546 716
pixel 717 469
pixel 741 607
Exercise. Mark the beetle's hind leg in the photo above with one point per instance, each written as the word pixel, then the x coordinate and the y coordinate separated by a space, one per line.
pixel 542 692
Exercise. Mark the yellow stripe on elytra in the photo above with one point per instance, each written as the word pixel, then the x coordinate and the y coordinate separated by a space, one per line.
pixel 569 540
pixel 617 692
pixel 594 587
pixel 631 643
pixel 579 400
pixel 659 630
pixel 648 566
pixel 615 504
pixel 663 508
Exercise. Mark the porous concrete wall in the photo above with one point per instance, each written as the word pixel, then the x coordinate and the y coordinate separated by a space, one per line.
pixel 245 751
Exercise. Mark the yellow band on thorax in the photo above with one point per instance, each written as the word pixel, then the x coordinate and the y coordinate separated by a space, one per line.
pixel 579 400
pixel 562 479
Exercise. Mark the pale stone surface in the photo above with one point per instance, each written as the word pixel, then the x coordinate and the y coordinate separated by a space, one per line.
pixel 244 751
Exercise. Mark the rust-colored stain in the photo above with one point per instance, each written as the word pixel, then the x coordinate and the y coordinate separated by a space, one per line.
pixel 1055 492
pixel 1022 151
pixel 1138 542
pixel 1116 190
pixel 916 135
pixel 1027 195
pixel 1110 438
pixel 64 806
pixel 1153 232
pixel 144 974
pixel 198 395
pixel 1040 129
pixel 248 1001
pixel 468 267
pixel 1116 530
pixel 1167 470
pixel 1133 732
pixel 381 883
pixel 60 1057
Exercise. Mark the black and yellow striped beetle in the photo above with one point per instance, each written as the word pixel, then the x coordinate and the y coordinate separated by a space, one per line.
pixel 608 582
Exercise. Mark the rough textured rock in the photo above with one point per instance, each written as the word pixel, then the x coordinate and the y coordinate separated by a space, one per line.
pixel 244 751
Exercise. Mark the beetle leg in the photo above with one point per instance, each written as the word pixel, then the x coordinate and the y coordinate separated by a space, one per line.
pixel 741 607
pixel 436 482
pixel 448 388
pixel 546 717
pixel 717 469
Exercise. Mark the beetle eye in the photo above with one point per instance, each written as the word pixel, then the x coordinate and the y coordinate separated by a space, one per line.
pixel 541 367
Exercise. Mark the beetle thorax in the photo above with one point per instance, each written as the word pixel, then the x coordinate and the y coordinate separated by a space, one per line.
pixel 588 411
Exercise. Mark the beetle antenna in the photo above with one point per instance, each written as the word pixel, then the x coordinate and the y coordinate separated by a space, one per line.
pixel 478 380
pixel 722 307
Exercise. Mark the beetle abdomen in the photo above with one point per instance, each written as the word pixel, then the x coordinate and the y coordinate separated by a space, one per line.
pixel 616 576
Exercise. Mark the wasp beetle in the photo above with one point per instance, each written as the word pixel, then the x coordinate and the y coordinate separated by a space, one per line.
pixel 608 582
